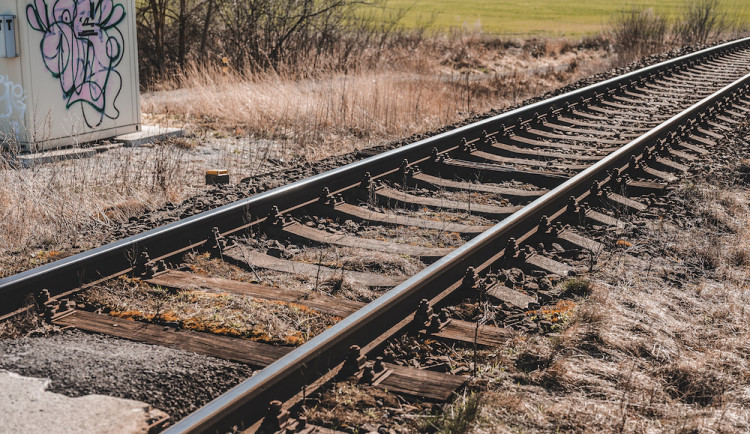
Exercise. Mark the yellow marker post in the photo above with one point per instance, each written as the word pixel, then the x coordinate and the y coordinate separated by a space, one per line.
pixel 217 176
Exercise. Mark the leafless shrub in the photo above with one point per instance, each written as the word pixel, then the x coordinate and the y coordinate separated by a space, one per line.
pixel 300 36
pixel 637 33
pixel 641 32
pixel 702 20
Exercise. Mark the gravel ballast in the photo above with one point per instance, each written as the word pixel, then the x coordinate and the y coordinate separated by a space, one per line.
pixel 79 364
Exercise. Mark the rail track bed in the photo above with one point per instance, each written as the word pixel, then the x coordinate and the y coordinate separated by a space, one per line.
pixel 389 274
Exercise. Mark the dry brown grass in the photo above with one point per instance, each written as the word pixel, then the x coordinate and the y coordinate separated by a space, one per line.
pixel 360 260
pixel 336 286
pixel 346 406
pixel 26 321
pixel 661 351
pixel 214 312
pixel 413 90
pixel 250 124
pixel 51 208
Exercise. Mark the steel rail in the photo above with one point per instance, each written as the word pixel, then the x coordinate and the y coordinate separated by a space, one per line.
pixel 107 261
pixel 290 374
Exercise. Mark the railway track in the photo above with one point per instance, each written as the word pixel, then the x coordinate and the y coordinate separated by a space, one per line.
pixel 495 212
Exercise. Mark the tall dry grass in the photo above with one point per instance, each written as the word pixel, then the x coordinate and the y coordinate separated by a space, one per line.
pixel 251 122
pixel 48 209
pixel 418 90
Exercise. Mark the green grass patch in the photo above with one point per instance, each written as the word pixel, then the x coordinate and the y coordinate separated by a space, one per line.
pixel 456 417
pixel 577 286
pixel 573 18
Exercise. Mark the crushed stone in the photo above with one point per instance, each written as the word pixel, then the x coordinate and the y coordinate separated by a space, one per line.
pixel 80 364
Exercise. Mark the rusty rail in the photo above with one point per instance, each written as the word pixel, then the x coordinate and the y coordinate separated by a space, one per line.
pixel 246 403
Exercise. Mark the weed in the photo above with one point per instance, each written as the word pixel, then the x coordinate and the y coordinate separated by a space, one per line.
pixel 456 417
pixel 578 286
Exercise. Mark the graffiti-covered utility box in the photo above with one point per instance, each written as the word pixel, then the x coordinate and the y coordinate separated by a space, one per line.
pixel 68 72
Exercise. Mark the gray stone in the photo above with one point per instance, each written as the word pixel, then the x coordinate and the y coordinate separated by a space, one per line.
pixel 29 407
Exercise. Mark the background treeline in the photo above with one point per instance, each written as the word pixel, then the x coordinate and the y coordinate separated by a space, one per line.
pixel 299 37
pixel 258 34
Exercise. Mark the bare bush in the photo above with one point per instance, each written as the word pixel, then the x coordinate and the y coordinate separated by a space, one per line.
pixel 641 32
pixel 259 34
pixel 701 20
pixel 637 33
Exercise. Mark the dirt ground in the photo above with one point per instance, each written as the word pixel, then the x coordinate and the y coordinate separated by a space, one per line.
pixel 660 343
pixel 54 210
pixel 663 349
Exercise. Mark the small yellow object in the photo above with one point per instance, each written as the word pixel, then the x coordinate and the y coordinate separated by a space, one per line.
pixel 217 176
pixel 225 59
pixel 623 243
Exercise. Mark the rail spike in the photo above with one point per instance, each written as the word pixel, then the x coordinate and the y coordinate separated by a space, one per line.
pixel 423 313
pixel 438 321
pixel 633 163
pixel 324 198
pixel 366 182
pixel 216 243
pixel 582 210
pixel 354 362
pixel 436 156
pixel 50 311
pixel 467 147
pixel 595 190
pixel 142 268
pixel 276 418
pixel 408 171
pixel 42 297
pixel 511 249
pixel 274 216
pixel 470 279
pixel 572 205
pixel 488 139
pixel 543 225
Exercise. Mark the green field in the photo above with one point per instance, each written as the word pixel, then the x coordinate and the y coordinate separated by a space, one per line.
pixel 535 17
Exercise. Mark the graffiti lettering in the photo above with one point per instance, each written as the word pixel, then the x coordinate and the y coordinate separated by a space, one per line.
pixel 82 48
pixel 12 107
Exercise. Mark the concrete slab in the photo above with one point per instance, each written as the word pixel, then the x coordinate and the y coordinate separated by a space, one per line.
pixel 149 134
pixel 44 157
pixel 27 407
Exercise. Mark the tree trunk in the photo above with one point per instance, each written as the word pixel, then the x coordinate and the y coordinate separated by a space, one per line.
pixel 182 23
pixel 159 11
pixel 206 27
